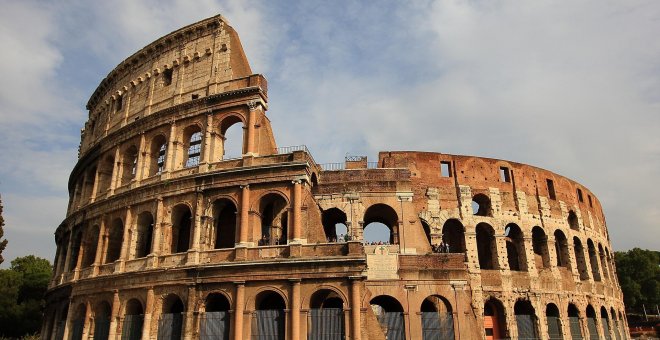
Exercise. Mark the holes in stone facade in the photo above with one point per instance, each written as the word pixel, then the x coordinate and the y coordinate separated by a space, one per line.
pixel 129 164
pixel 579 195
pixel 194 147
pixel 494 319
pixel 593 260
pixel 274 220
pixel 540 248
pixel 390 316
pixel 561 249
pixel 481 205
pixel 525 320
pixel 579 259
pixel 232 138
pixel 91 240
pixel 553 321
pixel 158 153
pixel 119 103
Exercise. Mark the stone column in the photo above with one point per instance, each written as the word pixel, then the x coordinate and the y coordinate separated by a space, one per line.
pixel 530 256
pixel 189 321
pixel 58 259
pixel 81 253
pixel 141 160
pixel 171 144
pixel 158 232
pixel 245 216
pixel 99 248
pixel 67 323
pixel 87 322
pixel 115 172
pixel 251 121
pixel 239 309
pixel 126 239
pixel 148 312
pixel 355 308
pixel 295 309
pixel 95 185
pixel 114 318
pixel 296 212
pixel 500 254
pixel 206 143
pixel 67 259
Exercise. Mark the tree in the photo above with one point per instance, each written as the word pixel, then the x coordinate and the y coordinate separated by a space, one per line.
pixel 639 276
pixel 3 243
pixel 22 290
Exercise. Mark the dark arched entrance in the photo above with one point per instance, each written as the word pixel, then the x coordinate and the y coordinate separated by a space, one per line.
pixel 390 316
pixel 215 321
pixel 437 319
pixel 133 320
pixel 494 323
pixel 171 320
pixel 102 321
pixel 525 320
pixel 326 316
pixel 270 320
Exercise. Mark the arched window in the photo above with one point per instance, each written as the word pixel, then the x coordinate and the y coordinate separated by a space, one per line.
pixel 453 235
pixel 486 246
pixel 274 220
pixel 579 258
pixel 270 319
pixel 63 246
pixel 616 324
pixel 224 215
pixel 106 166
pixel 437 319
pixel 604 262
pixel 215 322
pixel 129 164
pixel 326 315
pixel 591 323
pixel 89 184
pixel 605 322
pixel 515 248
pixel 145 230
pixel 102 314
pixel 574 321
pixel 573 220
pixel 170 323
pixel 525 320
pixel 593 260
pixel 554 322
pixel 232 138
pixel 132 327
pixel 481 205
pixel 334 224
pixel 75 247
pixel 540 246
pixel 193 140
pixel 181 228
pixel 390 316
pixel 91 240
pixel 494 320
pixel 157 155
pixel 78 322
pixel 381 224
pixel 561 249
pixel 115 238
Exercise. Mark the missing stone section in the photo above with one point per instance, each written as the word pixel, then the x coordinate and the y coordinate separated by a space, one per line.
pixel 505 174
pixel 445 169
pixel 551 189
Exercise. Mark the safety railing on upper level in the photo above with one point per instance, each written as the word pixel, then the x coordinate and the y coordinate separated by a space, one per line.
pixel 294 148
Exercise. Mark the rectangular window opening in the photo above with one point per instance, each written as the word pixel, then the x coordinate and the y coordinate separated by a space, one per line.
pixel 590 203
pixel 505 174
pixel 118 104
pixel 579 194
pixel 167 76
pixel 445 169
pixel 551 189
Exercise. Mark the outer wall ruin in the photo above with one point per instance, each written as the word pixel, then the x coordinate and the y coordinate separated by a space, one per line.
pixel 167 236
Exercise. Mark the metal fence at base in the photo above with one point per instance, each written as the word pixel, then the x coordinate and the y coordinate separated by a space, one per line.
pixel 268 325
pixel 132 327
pixel 526 327
pixel 214 325
pixel 393 325
pixel 576 331
pixel 327 324
pixel 169 326
pixel 437 326
pixel 554 328
pixel 101 328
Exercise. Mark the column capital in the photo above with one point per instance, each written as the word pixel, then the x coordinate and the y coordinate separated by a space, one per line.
pixel 239 283
pixel 295 280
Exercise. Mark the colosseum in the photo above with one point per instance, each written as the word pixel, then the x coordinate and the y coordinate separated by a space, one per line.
pixel 169 236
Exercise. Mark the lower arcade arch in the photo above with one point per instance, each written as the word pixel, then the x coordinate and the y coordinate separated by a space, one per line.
pixel 619 332
pixel 269 321
pixel 215 322
pixel 574 321
pixel 525 320
pixel 605 323
pixel 390 316
pixel 553 321
pixel 170 323
pixel 133 320
pixel 494 320
pixel 592 326
pixel 102 314
pixel 437 319
pixel 326 315
pixel 78 322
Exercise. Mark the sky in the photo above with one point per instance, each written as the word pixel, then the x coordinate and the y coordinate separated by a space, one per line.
pixel 569 86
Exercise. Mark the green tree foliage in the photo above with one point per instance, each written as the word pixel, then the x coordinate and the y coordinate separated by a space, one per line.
pixel 639 275
pixel 3 243
pixel 22 289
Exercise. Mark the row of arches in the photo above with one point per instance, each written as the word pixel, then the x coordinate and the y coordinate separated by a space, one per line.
pixel 129 163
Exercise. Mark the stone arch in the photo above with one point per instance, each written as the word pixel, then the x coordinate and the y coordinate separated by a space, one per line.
pixel 525 319
pixel 273 218
pixel 157 155
pixel 181 230
pixel 377 216
pixel 603 262
pixel 230 145
pixel 389 312
pixel 605 322
pixel 593 260
pixel 215 321
pixel 553 321
pixel 252 302
pixel 572 220
pixel 437 318
pixel 225 218
pixel 453 235
pixel 561 249
pixel 592 326
pixel 133 319
pixel 494 315
pixel 102 314
pixel 105 168
pixel 144 235
pixel 486 246
pixel 326 314
pixel 574 321
pixel 76 245
pixel 334 222
pixel 115 240
pixel 269 313
pixel 579 258
pixel 128 169
pixel 78 322
pixel 481 205
pixel 540 248
pixel 515 247
pixel 90 242
pixel 191 145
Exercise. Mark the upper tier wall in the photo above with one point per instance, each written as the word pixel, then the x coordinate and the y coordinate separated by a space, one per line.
pixel 193 62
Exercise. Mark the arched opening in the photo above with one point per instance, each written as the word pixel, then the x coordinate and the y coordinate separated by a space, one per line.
pixel 591 323
pixel 622 325
pixel 115 239
pixel 78 322
pixel 540 247
pixel 561 249
pixel 390 316
pixel 326 315
pixel 334 224
pixel 61 322
pixel 270 320
pixel 75 247
pixel 157 155
pixel 231 133
pixel 102 314
pixel 486 246
pixel 453 235
pixel 553 321
pixel 91 240
pixel 314 180
pixel 593 260
pixel 215 322
pixel 515 248
pixel 573 220
pixel 224 214
pixel 274 220
pixel 133 320
pixel 427 232
pixel 616 324
pixel 605 321
pixel 381 225
pixel 574 321
pixel 437 319
pixel 129 164
pixel 494 321
pixel 89 183
pixel 481 205
pixel 192 137
pixel 181 228
pixel 525 320
pixel 145 231
pixel 170 323
pixel 63 246
pixel 603 262
pixel 579 259
pixel 106 166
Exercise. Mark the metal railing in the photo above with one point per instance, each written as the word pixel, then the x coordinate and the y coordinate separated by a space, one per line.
pixel 333 166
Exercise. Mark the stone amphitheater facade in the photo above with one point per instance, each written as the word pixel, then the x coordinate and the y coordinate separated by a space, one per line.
pixel 168 237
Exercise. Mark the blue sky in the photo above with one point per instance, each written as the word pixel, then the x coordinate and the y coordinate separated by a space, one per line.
pixel 570 86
